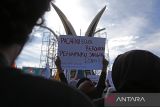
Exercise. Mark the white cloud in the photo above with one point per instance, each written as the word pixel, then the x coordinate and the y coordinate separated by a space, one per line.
pixel 123 35
pixel 126 22
pixel 151 42
pixel 30 56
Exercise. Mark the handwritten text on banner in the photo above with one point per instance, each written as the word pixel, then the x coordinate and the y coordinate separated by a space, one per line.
pixel 80 52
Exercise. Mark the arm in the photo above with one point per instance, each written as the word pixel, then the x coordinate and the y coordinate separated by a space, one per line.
pixel 60 71
pixel 101 83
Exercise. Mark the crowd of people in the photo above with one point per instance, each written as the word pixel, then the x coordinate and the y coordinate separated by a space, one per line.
pixel 135 71
pixel 86 85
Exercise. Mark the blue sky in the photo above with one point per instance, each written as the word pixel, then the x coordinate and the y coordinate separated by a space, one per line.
pixel 130 24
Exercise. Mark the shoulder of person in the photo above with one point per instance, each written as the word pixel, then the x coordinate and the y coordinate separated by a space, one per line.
pixel 44 91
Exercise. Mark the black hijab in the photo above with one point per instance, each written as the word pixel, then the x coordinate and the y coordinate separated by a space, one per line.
pixel 136 71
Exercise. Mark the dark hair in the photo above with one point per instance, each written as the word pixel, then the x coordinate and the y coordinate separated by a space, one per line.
pixel 81 81
pixel 17 19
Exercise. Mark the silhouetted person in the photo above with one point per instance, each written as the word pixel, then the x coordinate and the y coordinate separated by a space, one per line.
pixel 136 71
pixel 17 19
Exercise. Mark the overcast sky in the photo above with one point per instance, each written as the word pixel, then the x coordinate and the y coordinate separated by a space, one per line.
pixel 130 24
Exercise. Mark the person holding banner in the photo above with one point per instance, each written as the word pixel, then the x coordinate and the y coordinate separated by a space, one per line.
pixel 17 19
pixel 87 86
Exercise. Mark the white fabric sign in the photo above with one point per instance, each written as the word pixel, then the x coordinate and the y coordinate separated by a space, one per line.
pixel 80 52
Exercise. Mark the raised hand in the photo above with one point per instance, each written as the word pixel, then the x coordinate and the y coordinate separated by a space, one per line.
pixel 58 63
pixel 105 64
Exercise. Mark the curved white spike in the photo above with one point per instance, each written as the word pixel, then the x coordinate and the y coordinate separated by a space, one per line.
pixel 67 25
pixel 92 27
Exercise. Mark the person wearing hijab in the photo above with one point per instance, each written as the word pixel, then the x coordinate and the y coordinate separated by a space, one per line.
pixel 136 71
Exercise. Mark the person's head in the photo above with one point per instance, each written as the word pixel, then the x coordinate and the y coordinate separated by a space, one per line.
pixel 85 85
pixel 17 19
pixel 136 71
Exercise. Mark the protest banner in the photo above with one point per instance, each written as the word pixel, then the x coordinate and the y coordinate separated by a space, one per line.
pixel 80 52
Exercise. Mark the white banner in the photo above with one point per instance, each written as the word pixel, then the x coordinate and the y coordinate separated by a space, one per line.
pixel 80 52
